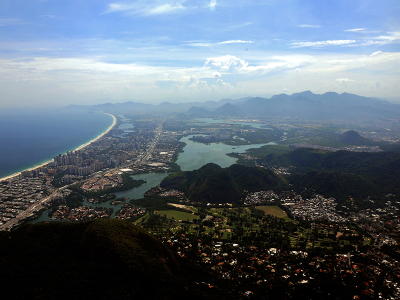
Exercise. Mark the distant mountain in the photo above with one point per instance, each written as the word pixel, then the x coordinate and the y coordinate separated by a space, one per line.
pixel 213 184
pixel 198 111
pixel 352 137
pixel 228 110
pixel 326 106
pixel 304 105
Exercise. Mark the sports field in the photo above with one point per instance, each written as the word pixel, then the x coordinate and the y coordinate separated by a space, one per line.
pixel 274 210
pixel 178 215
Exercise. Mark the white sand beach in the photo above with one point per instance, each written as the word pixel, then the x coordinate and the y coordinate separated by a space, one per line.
pixel 79 148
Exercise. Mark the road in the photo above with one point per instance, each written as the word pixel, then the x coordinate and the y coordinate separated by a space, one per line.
pixel 145 157
pixel 26 213
pixel 142 159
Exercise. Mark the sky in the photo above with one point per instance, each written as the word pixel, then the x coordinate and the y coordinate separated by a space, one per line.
pixel 60 52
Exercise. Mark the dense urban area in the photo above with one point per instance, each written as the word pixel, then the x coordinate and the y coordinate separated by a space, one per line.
pixel 283 240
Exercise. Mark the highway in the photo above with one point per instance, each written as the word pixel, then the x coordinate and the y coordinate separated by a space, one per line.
pixel 146 156
pixel 26 213
pixel 142 159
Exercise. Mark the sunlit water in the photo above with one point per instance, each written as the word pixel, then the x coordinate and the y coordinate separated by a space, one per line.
pixel 194 156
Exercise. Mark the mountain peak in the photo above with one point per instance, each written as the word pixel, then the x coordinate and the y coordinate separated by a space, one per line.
pixel 229 110
pixel 352 137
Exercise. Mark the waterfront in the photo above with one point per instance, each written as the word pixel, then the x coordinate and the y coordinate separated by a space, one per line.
pixel 152 180
pixel 194 156
pixel 30 140
pixel 198 154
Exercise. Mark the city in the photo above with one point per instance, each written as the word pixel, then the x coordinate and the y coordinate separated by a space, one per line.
pixel 270 238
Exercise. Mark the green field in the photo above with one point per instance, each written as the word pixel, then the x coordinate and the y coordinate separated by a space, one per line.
pixel 274 210
pixel 177 215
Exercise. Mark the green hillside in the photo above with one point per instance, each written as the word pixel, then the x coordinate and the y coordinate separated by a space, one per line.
pixel 352 137
pixel 103 259
pixel 342 174
pixel 214 184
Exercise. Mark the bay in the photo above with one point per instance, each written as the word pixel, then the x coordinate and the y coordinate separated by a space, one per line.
pixel 193 157
pixel 30 138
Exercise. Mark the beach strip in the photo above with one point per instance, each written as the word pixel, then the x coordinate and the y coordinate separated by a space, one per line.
pixel 79 148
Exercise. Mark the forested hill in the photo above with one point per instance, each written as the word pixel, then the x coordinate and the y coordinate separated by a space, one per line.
pixel 342 174
pixel 352 137
pixel 102 259
pixel 214 184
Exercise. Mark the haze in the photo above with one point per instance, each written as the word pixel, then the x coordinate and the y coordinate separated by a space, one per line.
pixel 54 53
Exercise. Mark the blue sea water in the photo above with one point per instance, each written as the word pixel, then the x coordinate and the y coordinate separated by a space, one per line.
pixel 29 138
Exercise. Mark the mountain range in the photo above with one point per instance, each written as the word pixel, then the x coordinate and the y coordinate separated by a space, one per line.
pixel 304 105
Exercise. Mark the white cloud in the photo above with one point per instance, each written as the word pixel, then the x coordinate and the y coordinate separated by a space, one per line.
pixel 323 43
pixel 391 37
pixel 51 16
pixel 148 8
pixel 166 9
pixel 308 26
pixel 342 80
pixel 355 30
pixel 236 42
pixel 236 26
pixel 209 44
pixel 212 5
pixel 376 53
pixel 86 78
pixel 200 44
pixel 367 43
pixel 227 63
pixel 213 88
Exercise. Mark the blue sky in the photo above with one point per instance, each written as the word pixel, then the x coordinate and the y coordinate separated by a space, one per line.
pixel 59 52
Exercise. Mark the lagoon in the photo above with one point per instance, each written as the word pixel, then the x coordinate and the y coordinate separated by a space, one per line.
pixel 194 156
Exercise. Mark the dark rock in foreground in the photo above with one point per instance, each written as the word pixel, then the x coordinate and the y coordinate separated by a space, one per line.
pixel 103 259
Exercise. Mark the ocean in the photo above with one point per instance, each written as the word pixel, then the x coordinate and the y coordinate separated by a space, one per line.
pixel 31 137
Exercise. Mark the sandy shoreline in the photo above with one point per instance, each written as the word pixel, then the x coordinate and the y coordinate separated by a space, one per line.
pixel 79 148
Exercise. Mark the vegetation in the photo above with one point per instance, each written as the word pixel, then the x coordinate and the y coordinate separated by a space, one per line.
pixel 128 183
pixel 155 202
pixel 104 259
pixel 273 210
pixel 57 181
pixel 72 200
pixel 176 215
pixel 260 153
pixel 213 184
pixel 341 174
pixel 261 135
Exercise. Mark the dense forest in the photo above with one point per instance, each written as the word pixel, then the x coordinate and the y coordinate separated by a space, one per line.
pixel 103 259
pixel 341 174
pixel 214 184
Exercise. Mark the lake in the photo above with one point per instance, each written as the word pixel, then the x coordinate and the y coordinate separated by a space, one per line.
pixel 194 156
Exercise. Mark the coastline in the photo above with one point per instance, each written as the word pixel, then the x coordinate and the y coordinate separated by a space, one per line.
pixel 79 148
